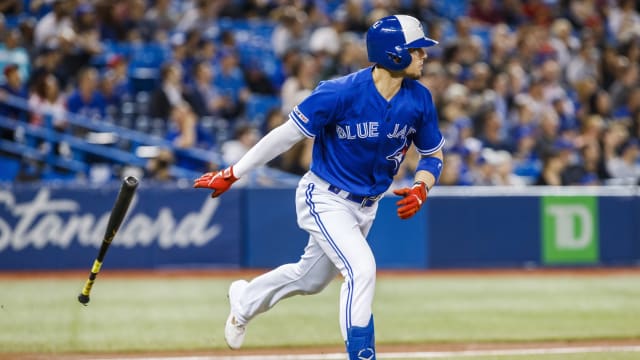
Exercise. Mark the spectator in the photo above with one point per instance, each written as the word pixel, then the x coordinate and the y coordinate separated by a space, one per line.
pixel 630 110
pixel 200 16
pixel 185 132
pixel 548 133
pixel 480 97
pixel 244 138
pixel 55 28
pixel 623 21
pixel 503 174
pixel 585 64
pixel 11 7
pixel 624 168
pixel 356 18
pixel 169 93
pixel 86 99
pixel 502 45
pixel 290 33
pixel 12 52
pixel 159 167
pixel 325 43
pixel 552 168
pixel 568 124
pixel 553 87
pixel 87 36
pixel 3 27
pixel 163 19
pixel 600 104
pixel 191 44
pixel 482 171
pixel 113 99
pixel 435 78
pixel 485 12
pixel 13 86
pixel 139 30
pixel 48 102
pixel 119 67
pixel 628 79
pixel 452 170
pixel 590 168
pixel 300 84
pixel 228 42
pixel 538 12
pixel 48 109
pixel 352 56
pixel 470 48
pixel 230 80
pixel 47 62
pixel 563 41
pixel 204 98
pixel 491 130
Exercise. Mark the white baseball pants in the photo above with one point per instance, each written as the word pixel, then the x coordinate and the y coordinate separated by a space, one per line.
pixel 337 230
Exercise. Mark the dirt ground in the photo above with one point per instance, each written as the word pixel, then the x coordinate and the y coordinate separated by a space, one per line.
pixel 381 348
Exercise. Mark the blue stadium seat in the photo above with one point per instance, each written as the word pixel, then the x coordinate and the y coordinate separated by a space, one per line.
pixel 258 106
pixel 452 9
pixel 12 21
pixel 484 33
pixel 8 168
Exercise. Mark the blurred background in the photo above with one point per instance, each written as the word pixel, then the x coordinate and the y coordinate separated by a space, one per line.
pixel 539 102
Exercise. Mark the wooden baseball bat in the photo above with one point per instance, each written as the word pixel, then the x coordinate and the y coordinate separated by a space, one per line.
pixel 127 190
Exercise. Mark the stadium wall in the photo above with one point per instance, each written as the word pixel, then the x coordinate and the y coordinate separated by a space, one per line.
pixel 61 227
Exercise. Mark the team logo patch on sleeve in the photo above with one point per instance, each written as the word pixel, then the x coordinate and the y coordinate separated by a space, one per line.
pixel 300 115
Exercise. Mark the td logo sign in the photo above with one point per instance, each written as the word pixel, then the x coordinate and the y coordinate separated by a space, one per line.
pixel 570 230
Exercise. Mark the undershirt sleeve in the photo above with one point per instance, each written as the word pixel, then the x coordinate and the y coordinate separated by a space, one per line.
pixel 271 145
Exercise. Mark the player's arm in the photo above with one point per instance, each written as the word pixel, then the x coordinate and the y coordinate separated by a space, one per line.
pixel 427 174
pixel 271 145
pixel 429 169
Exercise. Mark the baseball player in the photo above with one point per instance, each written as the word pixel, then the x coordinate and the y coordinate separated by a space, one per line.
pixel 362 125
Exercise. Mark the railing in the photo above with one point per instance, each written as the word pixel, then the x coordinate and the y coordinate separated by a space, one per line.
pixel 136 141
pixel 94 127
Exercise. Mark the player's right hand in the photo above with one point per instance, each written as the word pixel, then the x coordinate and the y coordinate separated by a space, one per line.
pixel 218 181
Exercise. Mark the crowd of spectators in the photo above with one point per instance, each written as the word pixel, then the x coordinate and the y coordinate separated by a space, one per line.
pixel 543 92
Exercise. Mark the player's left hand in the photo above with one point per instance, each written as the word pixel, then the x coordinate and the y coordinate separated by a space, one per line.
pixel 218 181
pixel 412 199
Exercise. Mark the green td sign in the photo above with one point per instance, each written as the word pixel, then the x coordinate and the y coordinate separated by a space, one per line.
pixel 569 230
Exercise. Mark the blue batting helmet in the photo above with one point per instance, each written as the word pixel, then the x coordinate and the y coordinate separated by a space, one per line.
pixel 390 38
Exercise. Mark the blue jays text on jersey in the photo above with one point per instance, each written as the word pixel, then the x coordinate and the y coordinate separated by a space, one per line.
pixel 360 138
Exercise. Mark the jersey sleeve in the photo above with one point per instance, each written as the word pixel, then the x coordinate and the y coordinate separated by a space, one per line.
pixel 428 138
pixel 315 111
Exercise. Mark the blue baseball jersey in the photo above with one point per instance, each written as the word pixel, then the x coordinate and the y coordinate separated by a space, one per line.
pixel 360 138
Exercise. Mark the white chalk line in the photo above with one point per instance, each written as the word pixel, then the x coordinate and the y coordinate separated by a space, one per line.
pixel 412 355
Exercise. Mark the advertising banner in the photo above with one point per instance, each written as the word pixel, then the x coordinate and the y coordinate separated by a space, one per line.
pixel 48 228
pixel 570 230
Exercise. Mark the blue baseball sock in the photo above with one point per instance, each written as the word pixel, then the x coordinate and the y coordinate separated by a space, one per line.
pixel 361 342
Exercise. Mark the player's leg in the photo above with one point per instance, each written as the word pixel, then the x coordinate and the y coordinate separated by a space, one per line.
pixel 308 276
pixel 340 227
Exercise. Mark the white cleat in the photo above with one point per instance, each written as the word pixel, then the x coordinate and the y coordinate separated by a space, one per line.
pixel 234 332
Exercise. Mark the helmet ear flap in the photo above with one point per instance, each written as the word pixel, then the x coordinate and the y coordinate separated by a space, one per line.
pixel 398 59
pixel 394 57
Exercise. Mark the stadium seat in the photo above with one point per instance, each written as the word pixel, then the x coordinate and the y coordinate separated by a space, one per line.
pixel 8 168
pixel 258 106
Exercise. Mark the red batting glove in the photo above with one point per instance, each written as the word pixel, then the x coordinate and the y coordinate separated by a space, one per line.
pixel 219 181
pixel 412 199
